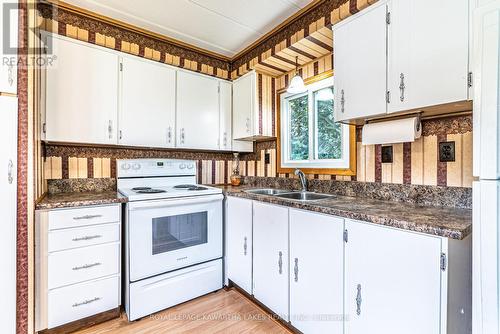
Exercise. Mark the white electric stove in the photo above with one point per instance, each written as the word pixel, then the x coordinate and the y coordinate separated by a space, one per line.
pixel 173 234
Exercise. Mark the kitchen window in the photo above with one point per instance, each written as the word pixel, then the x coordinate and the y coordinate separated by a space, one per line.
pixel 309 138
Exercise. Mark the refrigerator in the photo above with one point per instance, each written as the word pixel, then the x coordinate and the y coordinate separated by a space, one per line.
pixel 486 167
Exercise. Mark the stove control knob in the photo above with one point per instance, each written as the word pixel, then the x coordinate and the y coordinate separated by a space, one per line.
pixel 190 166
pixel 136 166
pixel 182 166
pixel 125 166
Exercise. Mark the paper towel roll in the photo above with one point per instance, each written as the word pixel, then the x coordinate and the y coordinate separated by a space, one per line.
pixel 390 132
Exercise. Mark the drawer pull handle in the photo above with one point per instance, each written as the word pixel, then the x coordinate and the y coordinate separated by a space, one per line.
pixel 88 301
pixel 87 237
pixel 87 217
pixel 87 266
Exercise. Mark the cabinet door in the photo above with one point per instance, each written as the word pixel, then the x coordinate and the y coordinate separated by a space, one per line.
pixel 225 112
pixel 147 112
pixel 8 43
pixel 8 228
pixel 82 94
pixel 243 106
pixel 270 257
pixel 428 53
pixel 392 281
pixel 239 242
pixel 197 111
pixel 360 64
pixel 316 272
pixel 487 91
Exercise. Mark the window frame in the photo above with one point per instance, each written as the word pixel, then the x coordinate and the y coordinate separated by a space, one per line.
pixel 344 166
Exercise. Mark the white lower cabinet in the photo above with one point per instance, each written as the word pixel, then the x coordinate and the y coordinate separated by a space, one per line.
pixel 239 242
pixel 316 275
pixel 270 257
pixel 77 252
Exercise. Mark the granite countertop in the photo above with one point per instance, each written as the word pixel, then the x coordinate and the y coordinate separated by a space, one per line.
pixel 76 199
pixel 447 222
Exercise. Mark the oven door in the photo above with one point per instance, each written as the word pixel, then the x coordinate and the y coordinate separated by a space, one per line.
pixel 165 235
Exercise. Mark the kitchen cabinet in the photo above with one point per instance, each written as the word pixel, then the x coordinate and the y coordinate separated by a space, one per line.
pixel 418 58
pixel 239 242
pixel 9 43
pixel 428 53
pixel 316 272
pixel 8 207
pixel 78 264
pixel 247 123
pixel 486 162
pixel 147 112
pixel 197 111
pixel 397 282
pixel 225 115
pixel 82 93
pixel 270 257
pixel 360 80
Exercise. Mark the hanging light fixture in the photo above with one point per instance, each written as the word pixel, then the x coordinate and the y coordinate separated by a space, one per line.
pixel 297 84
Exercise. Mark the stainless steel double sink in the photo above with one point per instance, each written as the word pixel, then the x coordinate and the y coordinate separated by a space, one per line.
pixel 304 196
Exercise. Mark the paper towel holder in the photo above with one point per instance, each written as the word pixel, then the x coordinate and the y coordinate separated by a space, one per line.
pixel 418 115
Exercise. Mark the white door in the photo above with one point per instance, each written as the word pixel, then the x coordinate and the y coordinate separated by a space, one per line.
pixel 316 272
pixel 392 281
pixel 243 105
pixel 428 53
pixel 197 111
pixel 239 242
pixel 82 93
pixel 270 257
pixel 225 113
pixel 8 45
pixel 487 91
pixel 8 205
pixel 360 64
pixel 486 261
pixel 147 112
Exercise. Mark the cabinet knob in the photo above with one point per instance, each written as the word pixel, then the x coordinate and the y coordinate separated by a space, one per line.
pixel 10 171
pixel 10 74
pixel 245 246
pixel 280 262
pixel 110 129
pixel 359 300
pixel 183 136
pixel 169 135
pixel 296 270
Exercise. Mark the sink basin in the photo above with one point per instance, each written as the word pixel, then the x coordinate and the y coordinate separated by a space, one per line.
pixel 304 196
pixel 267 191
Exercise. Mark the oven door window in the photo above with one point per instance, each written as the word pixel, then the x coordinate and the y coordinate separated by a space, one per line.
pixel 177 232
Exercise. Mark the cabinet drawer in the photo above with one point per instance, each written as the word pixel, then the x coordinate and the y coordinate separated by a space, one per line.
pixel 82 300
pixel 83 216
pixel 83 236
pixel 82 264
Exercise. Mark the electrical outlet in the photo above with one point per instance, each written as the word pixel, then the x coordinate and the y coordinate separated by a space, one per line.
pixel 447 151
pixel 386 154
pixel 267 158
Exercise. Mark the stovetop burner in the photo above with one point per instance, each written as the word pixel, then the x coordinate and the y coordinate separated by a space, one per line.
pixel 141 188
pixel 150 191
pixel 196 188
pixel 184 186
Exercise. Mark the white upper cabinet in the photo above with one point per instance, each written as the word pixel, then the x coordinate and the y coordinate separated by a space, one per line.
pixel 244 104
pixel 270 257
pixel 8 44
pixel 360 64
pixel 225 114
pixel 400 55
pixel 82 93
pixel 392 281
pixel 316 271
pixel 197 111
pixel 428 53
pixel 487 91
pixel 239 242
pixel 147 111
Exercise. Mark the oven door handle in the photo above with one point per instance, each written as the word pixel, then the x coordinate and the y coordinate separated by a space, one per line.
pixel 173 202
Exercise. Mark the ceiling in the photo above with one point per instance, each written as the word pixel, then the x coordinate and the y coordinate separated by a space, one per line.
pixel 222 26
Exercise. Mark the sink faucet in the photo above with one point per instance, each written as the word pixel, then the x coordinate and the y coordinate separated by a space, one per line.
pixel 303 179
